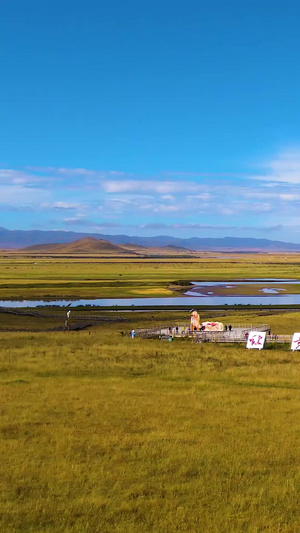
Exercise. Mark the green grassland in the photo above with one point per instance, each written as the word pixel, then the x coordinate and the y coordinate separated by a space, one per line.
pixel 38 277
pixel 52 319
pixel 101 433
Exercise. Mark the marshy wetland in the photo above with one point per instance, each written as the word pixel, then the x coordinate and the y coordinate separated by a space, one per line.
pixel 208 293
pixel 34 278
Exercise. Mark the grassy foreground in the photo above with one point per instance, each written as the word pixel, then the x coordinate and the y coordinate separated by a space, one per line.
pixel 100 433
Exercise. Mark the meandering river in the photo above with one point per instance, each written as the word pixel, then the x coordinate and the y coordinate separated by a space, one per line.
pixel 201 293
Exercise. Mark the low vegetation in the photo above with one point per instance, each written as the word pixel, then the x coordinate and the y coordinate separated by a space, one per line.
pixel 101 433
pixel 25 276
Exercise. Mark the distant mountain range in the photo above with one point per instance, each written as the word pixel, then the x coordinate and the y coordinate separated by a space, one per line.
pixel 15 239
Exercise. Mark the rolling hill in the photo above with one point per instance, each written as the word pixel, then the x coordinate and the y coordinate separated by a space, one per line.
pixel 88 245
pixel 92 246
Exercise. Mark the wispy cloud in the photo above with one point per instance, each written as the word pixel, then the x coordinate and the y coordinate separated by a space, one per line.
pixel 149 186
pixel 285 168
pixel 196 227
pixel 17 194
pixel 176 201
pixel 10 176
pixel 62 206
pixel 78 172
pixel 89 223
pixel 76 221
pixel 121 186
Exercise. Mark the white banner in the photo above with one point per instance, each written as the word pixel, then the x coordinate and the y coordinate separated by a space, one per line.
pixel 295 342
pixel 256 339
pixel 213 326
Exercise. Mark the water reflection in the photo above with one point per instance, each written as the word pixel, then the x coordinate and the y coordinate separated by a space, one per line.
pixel 192 297
pixel 200 288
pixel 282 299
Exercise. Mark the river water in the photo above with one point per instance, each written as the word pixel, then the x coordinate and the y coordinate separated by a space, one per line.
pixel 202 293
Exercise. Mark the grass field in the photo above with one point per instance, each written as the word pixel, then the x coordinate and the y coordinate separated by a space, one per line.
pixel 101 433
pixel 30 277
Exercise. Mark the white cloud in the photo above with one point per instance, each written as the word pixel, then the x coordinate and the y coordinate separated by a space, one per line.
pixel 220 227
pixel 289 197
pixel 227 211
pixel 206 196
pixel 239 206
pixel 285 168
pixel 19 195
pixel 125 197
pixel 148 186
pixel 62 205
pixel 77 172
pixel 11 176
pixel 163 208
pixel 167 197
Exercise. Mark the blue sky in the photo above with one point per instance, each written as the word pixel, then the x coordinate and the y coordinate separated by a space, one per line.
pixel 151 117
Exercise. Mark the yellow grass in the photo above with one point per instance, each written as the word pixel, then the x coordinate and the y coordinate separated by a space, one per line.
pixel 101 433
pixel 151 292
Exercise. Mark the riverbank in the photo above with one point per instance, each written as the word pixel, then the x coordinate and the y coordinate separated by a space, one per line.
pixel 53 318
pixel 55 278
